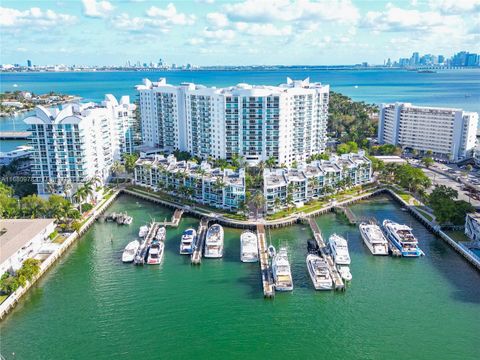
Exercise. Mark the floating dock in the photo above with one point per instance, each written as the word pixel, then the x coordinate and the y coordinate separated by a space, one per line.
pixel 196 257
pixel 337 279
pixel 267 278
pixel 142 251
pixel 176 217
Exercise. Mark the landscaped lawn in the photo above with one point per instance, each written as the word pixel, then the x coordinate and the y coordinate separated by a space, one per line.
pixel 424 213
pixel 2 298
pixel 458 235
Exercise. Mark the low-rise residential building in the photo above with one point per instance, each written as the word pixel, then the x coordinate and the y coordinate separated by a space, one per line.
pixel 472 226
pixel 78 143
pixel 296 186
pixel 447 133
pixel 21 154
pixel 21 239
pixel 200 182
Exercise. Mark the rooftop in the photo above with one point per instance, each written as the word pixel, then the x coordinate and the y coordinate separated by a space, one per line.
pixel 15 233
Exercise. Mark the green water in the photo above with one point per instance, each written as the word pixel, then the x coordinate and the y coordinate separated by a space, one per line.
pixel 91 306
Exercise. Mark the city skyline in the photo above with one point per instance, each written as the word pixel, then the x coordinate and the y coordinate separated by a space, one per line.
pixel 208 32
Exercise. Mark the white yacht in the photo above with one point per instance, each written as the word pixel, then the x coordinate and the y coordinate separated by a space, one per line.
pixel 282 274
pixel 339 251
pixel 143 231
pixel 127 220
pixel 130 251
pixel 373 237
pixel 248 246
pixel 402 237
pixel 161 233
pixel 187 241
pixel 214 242
pixel 319 273
pixel 155 252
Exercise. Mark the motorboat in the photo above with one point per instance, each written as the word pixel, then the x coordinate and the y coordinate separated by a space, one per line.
pixel 282 274
pixel 374 238
pixel 312 247
pixel 143 231
pixel 319 272
pixel 130 251
pixel 155 252
pixel 127 220
pixel 339 251
pixel 161 233
pixel 214 242
pixel 248 246
pixel 187 241
pixel 401 236
pixel 271 251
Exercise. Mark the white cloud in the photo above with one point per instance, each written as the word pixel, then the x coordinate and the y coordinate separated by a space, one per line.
pixel 449 7
pixel 263 29
pixel 97 9
pixel 170 16
pixel 292 10
pixel 157 18
pixel 195 41
pixel 34 16
pixel 217 20
pixel 395 19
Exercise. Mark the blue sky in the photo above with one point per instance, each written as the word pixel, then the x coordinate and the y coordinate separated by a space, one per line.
pixel 211 32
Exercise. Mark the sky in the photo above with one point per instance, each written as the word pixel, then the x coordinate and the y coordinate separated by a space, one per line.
pixel 244 32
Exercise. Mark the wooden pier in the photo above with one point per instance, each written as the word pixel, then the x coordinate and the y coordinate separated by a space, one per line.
pixel 176 217
pixel 337 279
pixel 196 258
pixel 267 278
pixel 148 240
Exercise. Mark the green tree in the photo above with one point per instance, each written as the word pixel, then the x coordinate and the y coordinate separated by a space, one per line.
pixel 427 162
pixel 446 209
pixel 129 160
pixel 258 202
pixel 33 206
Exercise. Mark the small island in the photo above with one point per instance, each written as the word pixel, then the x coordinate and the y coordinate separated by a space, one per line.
pixel 13 103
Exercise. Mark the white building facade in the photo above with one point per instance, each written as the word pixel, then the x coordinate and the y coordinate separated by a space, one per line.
pixel 287 122
pixel 297 186
pixel 78 143
pixel 447 133
pixel 472 226
pixel 202 183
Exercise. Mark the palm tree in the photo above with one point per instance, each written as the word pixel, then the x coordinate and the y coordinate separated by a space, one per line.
pixel 290 201
pixel 259 202
pixel 277 203
pixel 271 162
pixel 51 187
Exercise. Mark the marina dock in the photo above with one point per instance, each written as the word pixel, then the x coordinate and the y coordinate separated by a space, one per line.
pixel 176 217
pixel 14 135
pixel 148 240
pixel 337 279
pixel 267 279
pixel 196 258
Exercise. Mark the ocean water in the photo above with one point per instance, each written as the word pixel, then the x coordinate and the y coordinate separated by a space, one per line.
pixel 91 306
pixel 448 88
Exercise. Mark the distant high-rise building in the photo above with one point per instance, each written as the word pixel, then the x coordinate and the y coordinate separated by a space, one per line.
pixel 449 133
pixel 29 63
pixel 441 59
pixel 415 59
pixel 471 60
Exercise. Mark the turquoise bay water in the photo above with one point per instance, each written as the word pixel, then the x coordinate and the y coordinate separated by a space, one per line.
pixel 91 306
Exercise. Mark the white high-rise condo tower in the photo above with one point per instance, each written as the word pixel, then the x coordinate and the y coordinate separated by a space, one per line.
pixel 287 122
pixel 447 133
pixel 78 143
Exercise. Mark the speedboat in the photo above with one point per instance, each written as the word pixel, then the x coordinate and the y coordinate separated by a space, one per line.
pixel 187 241
pixel 127 220
pixel 214 242
pixel 155 252
pixel 130 251
pixel 120 219
pixel 373 237
pixel 282 274
pixel 339 251
pixel 248 246
pixel 319 273
pixel 143 231
pixel 402 238
pixel 312 247
pixel 161 233
pixel 271 251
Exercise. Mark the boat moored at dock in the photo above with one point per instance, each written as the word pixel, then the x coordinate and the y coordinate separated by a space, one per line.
pixel 143 231
pixel 319 273
pixel 161 234
pixel 401 236
pixel 130 251
pixel 187 241
pixel 339 250
pixel 271 251
pixel 312 247
pixel 214 242
pixel 374 238
pixel 281 271
pixel 155 252
pixel 248 246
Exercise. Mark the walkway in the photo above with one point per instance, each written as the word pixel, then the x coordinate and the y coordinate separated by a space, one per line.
pixel 267 278
pixel 196 258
